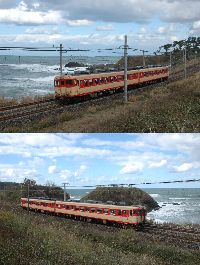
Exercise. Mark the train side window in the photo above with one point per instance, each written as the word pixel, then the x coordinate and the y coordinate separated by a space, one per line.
pixel 99 210
pixel 119 212
pixel 92 210
pixel 76 82
pixel 82 83
pixel 124 212
pixel 129 77
pixel 94 82
pixel 82 209
pixel 131 213
pixel 62 83
pixel 68 82
pixel 104 80
pixel 90 82
pixel 87 209
pixel 112 79
pixel 112 211
pixel 141 75
pixel 105 211
pixel 120 78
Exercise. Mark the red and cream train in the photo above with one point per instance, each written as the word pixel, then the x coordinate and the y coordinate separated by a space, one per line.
pixel 67 87
pixel 104 213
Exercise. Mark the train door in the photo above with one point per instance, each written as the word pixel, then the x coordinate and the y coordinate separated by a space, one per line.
pixel 137 216
pixel 125 214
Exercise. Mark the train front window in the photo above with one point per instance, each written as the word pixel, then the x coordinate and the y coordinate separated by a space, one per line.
pixel 57 83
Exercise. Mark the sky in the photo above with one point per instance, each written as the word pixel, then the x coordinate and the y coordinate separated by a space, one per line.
pixel 93 24
pixel 101 159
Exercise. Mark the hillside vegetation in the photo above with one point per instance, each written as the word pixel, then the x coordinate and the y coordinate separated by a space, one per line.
pixel 126 196
pixel 12 192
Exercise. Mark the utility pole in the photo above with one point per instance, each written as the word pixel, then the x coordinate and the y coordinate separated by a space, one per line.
pixel 125 69
pixel 144 61
pixel 28 197
pixel 61 51
pixel 65 191
pixel 185 61
pixel 21 191
pixel 170 54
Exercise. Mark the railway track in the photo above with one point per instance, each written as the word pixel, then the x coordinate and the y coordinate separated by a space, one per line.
pixel 23 105
pixel 178 236
pixel 18 114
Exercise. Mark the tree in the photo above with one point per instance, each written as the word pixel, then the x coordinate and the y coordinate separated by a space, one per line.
pixel 30 182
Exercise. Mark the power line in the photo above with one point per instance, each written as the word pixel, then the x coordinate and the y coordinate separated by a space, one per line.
pixel 136 184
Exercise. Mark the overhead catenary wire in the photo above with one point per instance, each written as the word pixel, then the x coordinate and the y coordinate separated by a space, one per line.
pixel 136 184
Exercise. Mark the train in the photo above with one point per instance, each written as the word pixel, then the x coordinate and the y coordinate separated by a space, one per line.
pixel 94 85
pixel 98 212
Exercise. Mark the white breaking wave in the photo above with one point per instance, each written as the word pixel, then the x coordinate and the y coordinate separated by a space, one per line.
pixel 154 195
pixel 36 68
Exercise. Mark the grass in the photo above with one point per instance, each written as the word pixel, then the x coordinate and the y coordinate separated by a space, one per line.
pixel 170 108
pixel 38 239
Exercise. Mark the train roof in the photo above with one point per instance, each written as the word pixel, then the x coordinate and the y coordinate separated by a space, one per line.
pixel 92 205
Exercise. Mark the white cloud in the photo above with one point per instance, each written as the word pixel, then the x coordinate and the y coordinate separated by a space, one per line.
pixel 128 11
pixel 85 12
pixel 79 22
pixel 183 168
pixel 41 30
pixel 107 27
pixel 158 164
pixel 17 173
pixel 73 176
pixel 25 17
pixel 52 169
pixel 130 168
pixel 195 29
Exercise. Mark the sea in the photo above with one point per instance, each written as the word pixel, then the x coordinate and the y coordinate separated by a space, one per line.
pixel 34 75
pixel 179 206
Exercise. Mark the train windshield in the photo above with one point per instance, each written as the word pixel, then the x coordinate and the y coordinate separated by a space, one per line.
pixel 138 212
